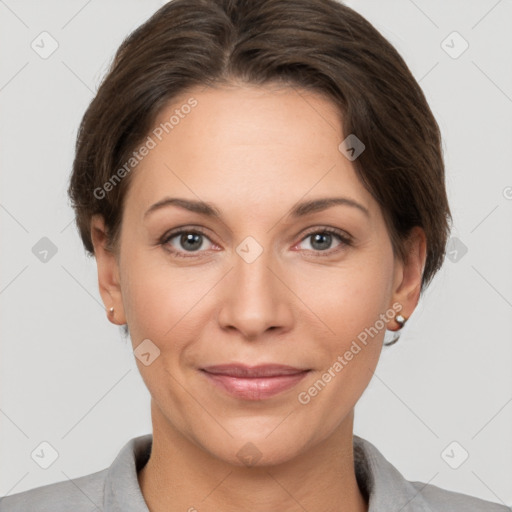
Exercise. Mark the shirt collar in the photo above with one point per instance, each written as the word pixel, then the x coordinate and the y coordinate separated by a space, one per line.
pixel 383 484
pixel 122 489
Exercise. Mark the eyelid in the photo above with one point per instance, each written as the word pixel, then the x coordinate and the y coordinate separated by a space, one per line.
pixel 327 229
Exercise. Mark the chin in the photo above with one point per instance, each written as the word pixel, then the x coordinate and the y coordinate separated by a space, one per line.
pixel 255 450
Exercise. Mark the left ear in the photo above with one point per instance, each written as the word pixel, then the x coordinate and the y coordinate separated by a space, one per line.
pixel 408 274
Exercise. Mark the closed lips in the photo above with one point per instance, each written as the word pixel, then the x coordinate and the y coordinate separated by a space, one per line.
pixel 248 372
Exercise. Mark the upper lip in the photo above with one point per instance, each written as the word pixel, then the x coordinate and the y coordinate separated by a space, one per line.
pixel 262 370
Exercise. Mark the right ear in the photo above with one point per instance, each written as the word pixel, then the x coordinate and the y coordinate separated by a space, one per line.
pixel 108 271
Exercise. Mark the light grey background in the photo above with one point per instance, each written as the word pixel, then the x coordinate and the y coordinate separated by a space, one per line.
pixel 68 378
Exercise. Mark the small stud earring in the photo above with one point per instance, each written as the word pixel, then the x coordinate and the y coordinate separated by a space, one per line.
pixel 111 310
pixel 400 319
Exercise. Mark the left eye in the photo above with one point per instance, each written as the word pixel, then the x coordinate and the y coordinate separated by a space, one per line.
pixel 321 240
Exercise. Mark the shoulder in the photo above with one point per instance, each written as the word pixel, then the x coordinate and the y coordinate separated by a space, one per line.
pixel 111 489
pixel 387 488
pixel 84 493
pixel 439 499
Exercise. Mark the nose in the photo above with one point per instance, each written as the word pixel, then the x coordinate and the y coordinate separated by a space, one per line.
pixel 255 298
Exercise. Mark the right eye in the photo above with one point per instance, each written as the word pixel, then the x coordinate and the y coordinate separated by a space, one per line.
pixel 189 241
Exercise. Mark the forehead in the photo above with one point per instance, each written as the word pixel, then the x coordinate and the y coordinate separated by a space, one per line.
pixel 246 145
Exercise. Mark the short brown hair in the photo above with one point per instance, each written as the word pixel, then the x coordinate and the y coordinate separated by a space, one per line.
pixel 319 45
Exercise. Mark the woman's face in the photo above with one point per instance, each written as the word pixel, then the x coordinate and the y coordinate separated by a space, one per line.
pixel 257 284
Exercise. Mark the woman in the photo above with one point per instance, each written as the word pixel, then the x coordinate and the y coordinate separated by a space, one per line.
pixel 290 143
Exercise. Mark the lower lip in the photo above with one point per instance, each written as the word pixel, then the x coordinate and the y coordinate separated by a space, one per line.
pixel 255 388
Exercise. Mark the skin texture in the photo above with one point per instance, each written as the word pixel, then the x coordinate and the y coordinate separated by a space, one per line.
pixel 253 152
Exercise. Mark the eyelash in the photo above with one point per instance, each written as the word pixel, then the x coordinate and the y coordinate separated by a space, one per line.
pixel 345 240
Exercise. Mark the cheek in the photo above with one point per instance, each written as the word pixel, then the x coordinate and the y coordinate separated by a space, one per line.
pixel 157 302
pixel 156 294
pixel 349 302
pixel 166 304
pixel 349 298
pixel 349 305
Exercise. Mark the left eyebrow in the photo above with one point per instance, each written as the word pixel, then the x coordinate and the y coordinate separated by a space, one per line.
pixel 299 210
pixel 316 205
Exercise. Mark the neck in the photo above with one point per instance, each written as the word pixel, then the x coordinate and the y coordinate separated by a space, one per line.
pixel 180 476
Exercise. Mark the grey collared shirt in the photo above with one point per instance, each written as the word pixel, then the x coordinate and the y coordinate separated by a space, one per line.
pixel 116 489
